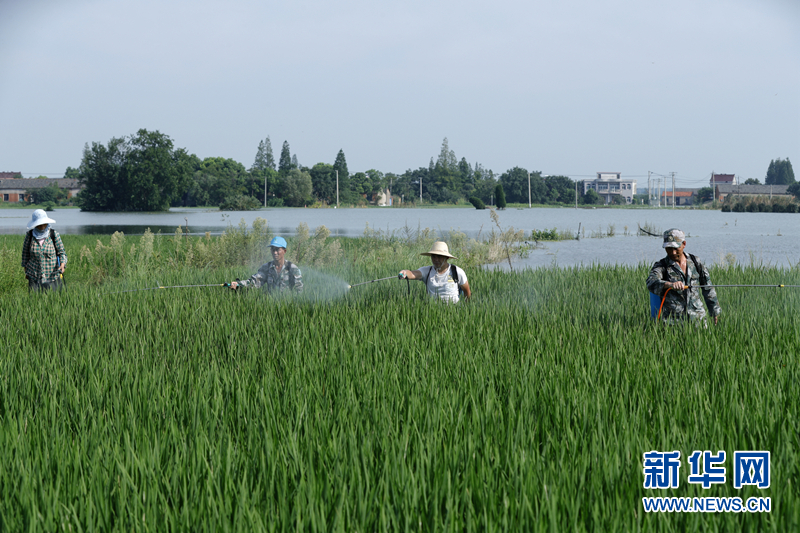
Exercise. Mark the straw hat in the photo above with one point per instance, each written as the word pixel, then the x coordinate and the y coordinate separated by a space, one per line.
pixel 39 217
pixel 439 248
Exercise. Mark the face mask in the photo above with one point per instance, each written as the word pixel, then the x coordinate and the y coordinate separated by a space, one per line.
pixel 41 234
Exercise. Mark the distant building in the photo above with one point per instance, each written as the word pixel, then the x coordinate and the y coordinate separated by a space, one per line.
pixel 13 190
pixel 768 191
pixel 610 184
pixel 722 179
pixel 10 175
pixel 682 197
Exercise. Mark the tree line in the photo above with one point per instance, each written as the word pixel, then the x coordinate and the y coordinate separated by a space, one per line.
pixel 146 172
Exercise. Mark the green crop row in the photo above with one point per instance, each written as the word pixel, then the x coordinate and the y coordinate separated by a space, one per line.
pixel 528 408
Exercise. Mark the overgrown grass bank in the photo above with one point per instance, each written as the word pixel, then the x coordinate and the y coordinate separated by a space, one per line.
pixel 527 409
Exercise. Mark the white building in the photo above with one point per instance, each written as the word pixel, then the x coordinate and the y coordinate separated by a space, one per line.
pixel 610 184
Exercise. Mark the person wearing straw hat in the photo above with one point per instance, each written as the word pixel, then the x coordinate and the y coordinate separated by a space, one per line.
pixel 43 255
pixel 277 275
pixel 679 279
pixel 442 280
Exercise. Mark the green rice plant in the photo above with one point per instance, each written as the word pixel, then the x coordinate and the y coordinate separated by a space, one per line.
pixel 527 408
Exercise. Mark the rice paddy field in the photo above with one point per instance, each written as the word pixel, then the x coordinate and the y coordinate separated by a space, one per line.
pixel 375 409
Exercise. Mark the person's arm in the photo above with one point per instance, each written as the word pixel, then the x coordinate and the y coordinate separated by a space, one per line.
pixel 26 250
pixel 256 280
pixel 410 274
pixel 467 291
pixel 655 280
pixel 298 278
pixel 61 253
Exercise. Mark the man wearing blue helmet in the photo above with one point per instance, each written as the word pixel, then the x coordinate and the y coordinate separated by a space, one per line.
pixel 278 274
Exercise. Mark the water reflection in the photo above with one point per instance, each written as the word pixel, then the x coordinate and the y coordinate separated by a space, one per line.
pixel 768 238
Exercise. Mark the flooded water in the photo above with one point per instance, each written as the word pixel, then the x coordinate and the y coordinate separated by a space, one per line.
pixel 762 238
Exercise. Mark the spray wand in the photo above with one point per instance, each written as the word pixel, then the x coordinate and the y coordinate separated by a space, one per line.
pixel 173 287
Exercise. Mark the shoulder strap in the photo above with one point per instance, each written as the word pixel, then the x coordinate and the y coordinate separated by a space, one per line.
pixel 428 277
pixel 291 278
pixel 454 273
pixel 700 269
pixel 664 267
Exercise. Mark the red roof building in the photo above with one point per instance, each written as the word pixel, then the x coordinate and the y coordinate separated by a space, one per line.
pixel 722 179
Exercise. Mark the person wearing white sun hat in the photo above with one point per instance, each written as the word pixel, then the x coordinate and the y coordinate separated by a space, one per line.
pixel 442 280
pixel 43 255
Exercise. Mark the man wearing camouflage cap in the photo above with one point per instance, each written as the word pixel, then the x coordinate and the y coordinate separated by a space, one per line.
pixel 678 280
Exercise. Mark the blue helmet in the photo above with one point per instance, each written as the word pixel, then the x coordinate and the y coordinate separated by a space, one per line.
pixel 278 242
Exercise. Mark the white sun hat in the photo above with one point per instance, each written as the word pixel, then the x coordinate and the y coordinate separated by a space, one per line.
pixel 39 217
pixel 439 248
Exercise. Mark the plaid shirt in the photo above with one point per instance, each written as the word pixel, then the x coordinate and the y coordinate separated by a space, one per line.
pixel 268 276
pixel 40 260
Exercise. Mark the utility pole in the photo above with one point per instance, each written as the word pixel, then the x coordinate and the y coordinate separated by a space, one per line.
pixel 673 189
pixel 649 190
pixel 576 194
pixel 529 190
pixel 337 189
pixel 265 190
pixel 420 189
pixel 713 190
pixel 658 188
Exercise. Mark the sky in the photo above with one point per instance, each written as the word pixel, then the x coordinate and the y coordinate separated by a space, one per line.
pixel 564 87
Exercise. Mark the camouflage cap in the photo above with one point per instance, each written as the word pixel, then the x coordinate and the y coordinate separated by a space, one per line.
pixel 673 238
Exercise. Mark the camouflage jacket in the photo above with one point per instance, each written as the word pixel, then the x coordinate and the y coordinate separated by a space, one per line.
pixel 268 276
pixel 686 303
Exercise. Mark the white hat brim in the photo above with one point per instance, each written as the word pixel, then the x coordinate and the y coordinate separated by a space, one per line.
pixel 434 252
pixel 39 221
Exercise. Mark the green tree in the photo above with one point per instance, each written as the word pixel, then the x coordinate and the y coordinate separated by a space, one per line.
pixel 340 165
pixel 52 193
pixel 101 173
pixel 446 176
pixel 467 178
pixel 780 172
pixel 484 181
pixel 323 182
pixel 377 181
pixel 794 190
pixel 141 173
pixel 752 181
pixel 591 197
pixel 360 184
pixel 155 172
pixel 705 194
pixel 72 173
pixel 297 188
pixel 500 196
pixel 560 189
pixel 515 185
pixel 285 162
pixel 264 158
